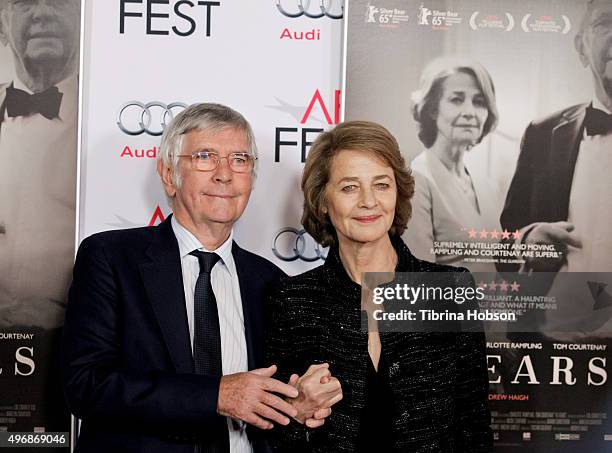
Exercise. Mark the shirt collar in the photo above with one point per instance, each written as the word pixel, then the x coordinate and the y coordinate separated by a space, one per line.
pixel 598 105
pixel 187 243
pixel 68 85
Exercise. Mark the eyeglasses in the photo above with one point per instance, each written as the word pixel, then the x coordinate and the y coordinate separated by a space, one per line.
pixel 208 160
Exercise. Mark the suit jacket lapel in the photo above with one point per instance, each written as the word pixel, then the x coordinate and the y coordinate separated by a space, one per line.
pixel 163 280
pixel 565 145
pixel 252 308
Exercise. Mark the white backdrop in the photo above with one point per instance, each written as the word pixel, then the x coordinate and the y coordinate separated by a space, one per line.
pixel 252 61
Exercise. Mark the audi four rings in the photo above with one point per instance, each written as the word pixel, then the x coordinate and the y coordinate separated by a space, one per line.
pixel 302 8
pixel 298 250
pixel 150 118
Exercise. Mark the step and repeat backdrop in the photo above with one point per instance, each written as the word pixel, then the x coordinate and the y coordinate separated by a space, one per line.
pixel 281 64
pixel 277 63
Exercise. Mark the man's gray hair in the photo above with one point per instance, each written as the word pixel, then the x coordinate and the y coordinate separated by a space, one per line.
pixel 207 117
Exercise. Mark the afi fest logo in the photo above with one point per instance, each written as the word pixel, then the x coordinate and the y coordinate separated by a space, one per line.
pixel 424 14
pixel 300 138
pixel 157 217
pixel 164 17
pixel 121 222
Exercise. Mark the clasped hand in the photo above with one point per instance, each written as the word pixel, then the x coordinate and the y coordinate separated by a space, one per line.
pixel 258 399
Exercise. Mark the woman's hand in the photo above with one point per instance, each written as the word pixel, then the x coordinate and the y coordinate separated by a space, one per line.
pixel 318 391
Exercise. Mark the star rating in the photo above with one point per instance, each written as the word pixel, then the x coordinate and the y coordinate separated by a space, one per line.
pixel 493 234
pixel 503 286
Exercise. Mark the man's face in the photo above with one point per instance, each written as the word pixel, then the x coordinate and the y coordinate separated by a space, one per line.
pixel 217 196
pixel 41 30
pixel 595 44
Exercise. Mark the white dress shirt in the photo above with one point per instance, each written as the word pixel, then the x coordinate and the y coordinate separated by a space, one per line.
pixel 590 211
pixel 225 284
pixel 590 204
pixel 37 211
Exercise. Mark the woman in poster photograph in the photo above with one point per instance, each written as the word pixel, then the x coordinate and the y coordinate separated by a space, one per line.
pixel 455 109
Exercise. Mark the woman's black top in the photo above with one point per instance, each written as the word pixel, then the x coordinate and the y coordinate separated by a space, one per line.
pixel 436 383
pixel 375 421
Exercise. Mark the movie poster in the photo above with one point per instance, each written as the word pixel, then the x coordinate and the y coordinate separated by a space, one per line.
pixel 39 57
pixel 502 107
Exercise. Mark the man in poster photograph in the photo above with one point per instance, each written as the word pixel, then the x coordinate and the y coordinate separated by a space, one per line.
pixel 38 151
pixel 561 192
pixel 38 143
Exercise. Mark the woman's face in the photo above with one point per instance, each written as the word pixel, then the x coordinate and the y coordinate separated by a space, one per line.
pixel 360 196
pixel 462 112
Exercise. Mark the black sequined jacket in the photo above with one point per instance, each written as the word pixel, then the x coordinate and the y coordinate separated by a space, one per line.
pixel 438 380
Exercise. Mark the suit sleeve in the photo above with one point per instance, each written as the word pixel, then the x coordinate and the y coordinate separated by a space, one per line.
pixel 99 385
pixel 516 213
pixel 282 330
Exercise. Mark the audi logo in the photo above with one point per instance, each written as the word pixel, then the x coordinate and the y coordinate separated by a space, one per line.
pixel 302 8
pixel 291 244
pixel 135 118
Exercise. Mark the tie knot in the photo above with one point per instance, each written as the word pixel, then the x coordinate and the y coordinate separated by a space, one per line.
pixel 206 259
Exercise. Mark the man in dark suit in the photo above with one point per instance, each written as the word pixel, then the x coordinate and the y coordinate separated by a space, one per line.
pixel 558 186
pixel 163 323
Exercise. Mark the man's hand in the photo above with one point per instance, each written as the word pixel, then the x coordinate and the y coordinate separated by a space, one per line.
pixel 557 233
pixel 319 390
pixel 251 397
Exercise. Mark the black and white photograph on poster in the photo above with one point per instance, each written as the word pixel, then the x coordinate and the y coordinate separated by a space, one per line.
pixel 39 57
pixel 502 110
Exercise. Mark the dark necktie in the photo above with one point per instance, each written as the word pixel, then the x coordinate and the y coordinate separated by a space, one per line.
pixel 22 103
pixel 597 122
pixel 207 341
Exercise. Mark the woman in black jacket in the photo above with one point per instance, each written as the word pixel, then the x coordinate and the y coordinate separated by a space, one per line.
pixel 403 392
